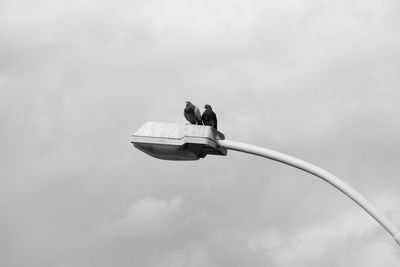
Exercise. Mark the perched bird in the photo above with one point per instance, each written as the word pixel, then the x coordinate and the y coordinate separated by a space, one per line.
pixel 209 118
pixel 192 113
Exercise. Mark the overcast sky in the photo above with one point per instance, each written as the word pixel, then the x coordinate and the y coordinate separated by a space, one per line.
pixel 318 80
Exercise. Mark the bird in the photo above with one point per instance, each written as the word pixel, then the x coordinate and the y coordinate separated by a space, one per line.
pixel 192 113
pixel 209 118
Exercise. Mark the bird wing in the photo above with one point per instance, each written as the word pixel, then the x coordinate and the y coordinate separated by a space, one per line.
pixel 203 117
pixel 197 113
pixel 215 121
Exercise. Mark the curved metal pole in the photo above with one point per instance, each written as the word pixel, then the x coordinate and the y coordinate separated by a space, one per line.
pixel 314 170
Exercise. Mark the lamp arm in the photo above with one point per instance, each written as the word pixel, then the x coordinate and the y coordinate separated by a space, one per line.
pixel 319 172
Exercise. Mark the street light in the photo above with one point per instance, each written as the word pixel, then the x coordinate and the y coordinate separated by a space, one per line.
pixel 172 141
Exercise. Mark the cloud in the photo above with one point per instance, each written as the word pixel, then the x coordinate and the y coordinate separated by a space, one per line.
pixel 317 80
pixel 319 241
pixel 147 217
pixel 187 257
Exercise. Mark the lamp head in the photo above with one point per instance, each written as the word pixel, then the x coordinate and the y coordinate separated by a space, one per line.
pixel 173 141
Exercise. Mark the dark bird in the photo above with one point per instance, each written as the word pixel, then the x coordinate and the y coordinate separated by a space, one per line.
pixel 192 113
pixel 209 118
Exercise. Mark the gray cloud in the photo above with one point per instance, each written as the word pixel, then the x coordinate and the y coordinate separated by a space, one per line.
pixel 312 79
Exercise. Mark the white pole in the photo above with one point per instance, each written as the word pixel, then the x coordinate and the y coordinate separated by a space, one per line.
pixel 312 169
